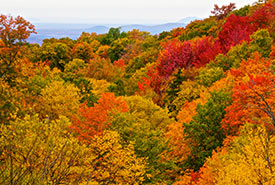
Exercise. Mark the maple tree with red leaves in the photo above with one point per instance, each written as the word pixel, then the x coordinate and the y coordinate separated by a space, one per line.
pixel 263 16
pixel 236 30
pixel 205 50
pixel 253 102
pixel 185 55
pixel 175 55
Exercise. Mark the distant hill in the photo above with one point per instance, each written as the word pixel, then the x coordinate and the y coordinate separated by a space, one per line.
pixel 154 29
pixel 53 33
pixel 187 20
pixel 66 30
pixel 98 29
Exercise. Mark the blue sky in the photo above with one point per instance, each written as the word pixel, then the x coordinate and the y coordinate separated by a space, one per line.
pixel 111 11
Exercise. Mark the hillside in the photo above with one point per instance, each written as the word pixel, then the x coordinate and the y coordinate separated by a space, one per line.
pixel 190 104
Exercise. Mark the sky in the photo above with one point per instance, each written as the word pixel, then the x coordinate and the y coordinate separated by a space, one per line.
pixel 112 11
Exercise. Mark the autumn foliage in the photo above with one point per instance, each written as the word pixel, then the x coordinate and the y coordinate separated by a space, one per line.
pixel 14 30
pixel 221 12
pixel 185 55
pixel 253 95
pixel 13 34
pixel 238 29
pixel 190 106
pixel 94 120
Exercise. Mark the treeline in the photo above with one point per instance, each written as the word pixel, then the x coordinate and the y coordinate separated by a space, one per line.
pixel 191 106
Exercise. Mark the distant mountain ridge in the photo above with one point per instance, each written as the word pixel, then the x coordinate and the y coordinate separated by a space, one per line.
pixel 154 29
pixel 48 30
pixel 187 20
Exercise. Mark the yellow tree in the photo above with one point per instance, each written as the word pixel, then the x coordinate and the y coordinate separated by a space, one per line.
pixel 9 105
pixel 44 152
pixel 40 152
pixel 251 159
pixel 57 99
pixel 115 163
pixel 99 86
pixel 189 90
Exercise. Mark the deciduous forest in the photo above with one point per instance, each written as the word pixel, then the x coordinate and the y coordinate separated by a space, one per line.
pixel 192 106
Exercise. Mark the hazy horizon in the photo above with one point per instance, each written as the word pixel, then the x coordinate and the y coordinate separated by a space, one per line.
pixel 110 11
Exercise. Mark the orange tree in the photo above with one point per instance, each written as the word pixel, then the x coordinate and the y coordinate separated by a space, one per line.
pixel 13 35
pixel 93 121
pixel 253 98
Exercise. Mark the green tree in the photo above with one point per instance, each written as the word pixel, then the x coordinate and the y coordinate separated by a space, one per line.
pixel 112 35
pixel 57 53
pixel 85 93
pixel 207 76
pixel 74 69
pixel 261 42
pixel 118 88
pixel 244 11
pixel 204 130
pixel 9 101
pixel 118 48
pixel 199 28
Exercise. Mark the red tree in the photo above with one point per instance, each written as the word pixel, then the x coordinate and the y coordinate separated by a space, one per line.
pixel 262 17
pixel 234 31
pixel 221 12
pixel 237 29
pixel 175 55
pixel 187 54
pixel 205 50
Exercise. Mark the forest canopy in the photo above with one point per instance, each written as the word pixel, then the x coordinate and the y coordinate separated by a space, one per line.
pixel 192 106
